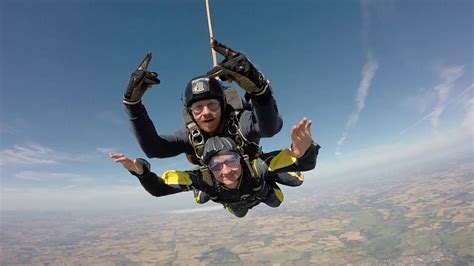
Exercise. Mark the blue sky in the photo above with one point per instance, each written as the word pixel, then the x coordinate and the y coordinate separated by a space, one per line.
pixel 386 84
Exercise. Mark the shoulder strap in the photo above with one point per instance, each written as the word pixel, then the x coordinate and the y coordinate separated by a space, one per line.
pixel 195 136
pixel 206 176
pixel 237 105
pixel 256 180
pixel 234 106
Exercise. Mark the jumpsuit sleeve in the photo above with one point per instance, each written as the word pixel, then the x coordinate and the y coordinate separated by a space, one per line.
pixel 152 144
pixel 281 161
pixel 170 182
pixel 264 120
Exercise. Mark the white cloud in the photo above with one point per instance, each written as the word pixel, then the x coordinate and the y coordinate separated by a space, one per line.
pixel 70 198
pixel 52 176
pixel 342 139
pixel 107 150
pixel 468 122
pixel 458 141
pixel 442 100
pixel 35 154
pixel 423 101
pixel 368 73
pixel 448 77
pixel 123 197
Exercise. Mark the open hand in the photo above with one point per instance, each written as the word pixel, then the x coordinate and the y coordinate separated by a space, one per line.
pixel 130 165
pixel 301 138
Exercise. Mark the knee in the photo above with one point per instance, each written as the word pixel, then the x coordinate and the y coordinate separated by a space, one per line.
pixel 297 180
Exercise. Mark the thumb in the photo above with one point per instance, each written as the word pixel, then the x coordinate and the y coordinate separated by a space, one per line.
pixel 222 49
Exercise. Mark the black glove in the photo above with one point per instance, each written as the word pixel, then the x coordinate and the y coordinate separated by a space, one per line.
pixel 139 82
pixel 237 67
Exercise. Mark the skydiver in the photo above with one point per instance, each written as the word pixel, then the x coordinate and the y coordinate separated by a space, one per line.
pixel 235 183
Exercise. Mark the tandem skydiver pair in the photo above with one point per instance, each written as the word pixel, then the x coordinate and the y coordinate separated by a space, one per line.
pixel 221 134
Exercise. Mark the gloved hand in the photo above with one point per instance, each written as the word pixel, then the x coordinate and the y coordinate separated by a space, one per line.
pixel 140 81
pixel 237 67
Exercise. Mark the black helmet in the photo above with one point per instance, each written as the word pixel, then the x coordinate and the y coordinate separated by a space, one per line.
pixel 218 146
pixel 202 88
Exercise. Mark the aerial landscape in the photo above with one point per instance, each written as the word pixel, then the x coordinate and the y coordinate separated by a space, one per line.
pixel 423 219
pixel 382 90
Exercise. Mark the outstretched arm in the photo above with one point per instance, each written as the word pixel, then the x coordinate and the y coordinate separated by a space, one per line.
pixel 155 185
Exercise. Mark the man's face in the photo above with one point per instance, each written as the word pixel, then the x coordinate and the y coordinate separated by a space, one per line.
pixel 226 169
pixel 207 114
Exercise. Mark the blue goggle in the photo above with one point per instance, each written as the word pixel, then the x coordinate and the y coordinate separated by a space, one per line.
pixel 233 162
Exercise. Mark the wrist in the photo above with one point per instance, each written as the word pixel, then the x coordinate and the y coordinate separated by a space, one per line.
pixel 264 95
pixel 145 165
pixel 127 102
pixel 264 86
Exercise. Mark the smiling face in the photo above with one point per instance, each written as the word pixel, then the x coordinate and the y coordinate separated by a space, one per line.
pixel 207 114
pixel 226 169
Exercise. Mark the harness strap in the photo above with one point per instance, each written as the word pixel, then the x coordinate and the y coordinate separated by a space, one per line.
pixel 195 135
pixel 196 138
pixel 249 202
pixel 255 179
pixel 206 176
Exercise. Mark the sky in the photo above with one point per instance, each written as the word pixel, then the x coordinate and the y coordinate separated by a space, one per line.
pixel 387 84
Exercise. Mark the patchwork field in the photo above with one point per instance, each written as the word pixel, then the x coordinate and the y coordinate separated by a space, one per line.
pixel 423 219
